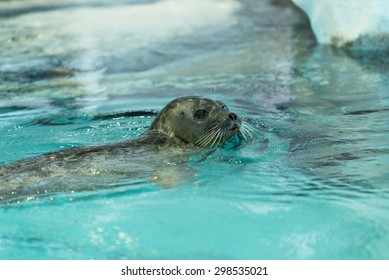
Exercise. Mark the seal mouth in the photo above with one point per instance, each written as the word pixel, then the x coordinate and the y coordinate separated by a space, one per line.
pixel 235 127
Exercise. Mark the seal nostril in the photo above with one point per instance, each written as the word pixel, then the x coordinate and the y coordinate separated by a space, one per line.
pixel 233 116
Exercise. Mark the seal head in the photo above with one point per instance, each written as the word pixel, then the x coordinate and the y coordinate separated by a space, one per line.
pixel 198 121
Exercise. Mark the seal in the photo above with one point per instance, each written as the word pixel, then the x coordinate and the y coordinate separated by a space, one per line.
pixel 198 121
pixel 183 127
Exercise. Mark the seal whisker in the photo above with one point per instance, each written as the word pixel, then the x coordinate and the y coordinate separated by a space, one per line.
pixel 213 137
pixel 247 130
pixel 249 126
pixel 205 141
pixel 216 137
pixel 246 123
pixel 205 138
pixel 208 136
pixel 222 134
pixel 225 131
pixel 245 133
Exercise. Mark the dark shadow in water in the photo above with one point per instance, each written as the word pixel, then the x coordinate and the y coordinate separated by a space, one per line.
pixel 364 112
pixel 65 119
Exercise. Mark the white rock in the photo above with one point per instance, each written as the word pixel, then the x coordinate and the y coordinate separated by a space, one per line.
pixel 363 23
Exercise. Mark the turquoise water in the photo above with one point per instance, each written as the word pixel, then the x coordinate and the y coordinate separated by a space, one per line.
pixel 312 184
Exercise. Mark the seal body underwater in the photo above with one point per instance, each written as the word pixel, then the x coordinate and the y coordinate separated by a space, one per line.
pixel 182 128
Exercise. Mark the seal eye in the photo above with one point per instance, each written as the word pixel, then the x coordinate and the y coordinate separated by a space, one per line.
pixel 201 114
pixel 224 106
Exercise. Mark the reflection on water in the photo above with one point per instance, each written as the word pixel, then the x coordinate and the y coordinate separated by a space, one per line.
pixel 311 184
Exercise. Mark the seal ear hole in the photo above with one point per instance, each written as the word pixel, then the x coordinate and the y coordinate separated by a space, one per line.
pixel 201 114
pixel 182 114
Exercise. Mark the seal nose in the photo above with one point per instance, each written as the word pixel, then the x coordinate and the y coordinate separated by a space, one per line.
pixel 233 116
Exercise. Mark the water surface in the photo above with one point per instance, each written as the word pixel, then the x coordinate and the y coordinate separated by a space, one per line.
pixel 312 184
